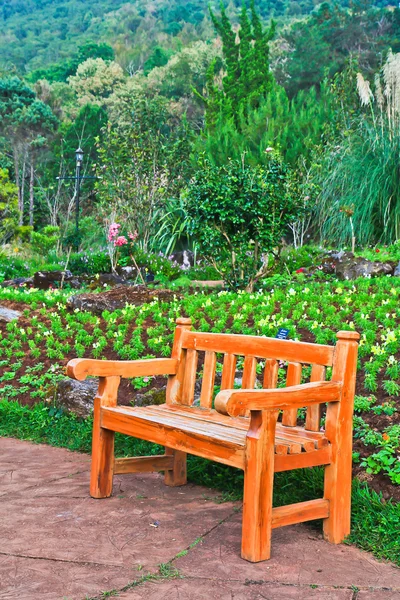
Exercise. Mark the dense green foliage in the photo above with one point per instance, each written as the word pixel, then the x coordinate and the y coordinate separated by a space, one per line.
pixel 238 215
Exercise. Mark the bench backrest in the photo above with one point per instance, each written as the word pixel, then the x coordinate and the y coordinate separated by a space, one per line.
pixel 269 351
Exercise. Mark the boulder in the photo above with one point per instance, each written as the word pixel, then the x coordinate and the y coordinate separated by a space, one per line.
pixel 352 268
pixel 154 396
pixel 185 258
pixel 8 315
pixel 17 282
pixel 117 298
pixel 43 280
pixel 77 396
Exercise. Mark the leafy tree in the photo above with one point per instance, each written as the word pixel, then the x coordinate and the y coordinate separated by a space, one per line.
pixel 143 159
pixel 24 122
pixel 95 80
pixel 239 214
pixel 248 78
pixel 9 215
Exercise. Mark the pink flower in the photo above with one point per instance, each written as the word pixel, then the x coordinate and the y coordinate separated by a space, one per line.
pixel 269 149
pixel 113 231
pixel 133 235
pixel 120 241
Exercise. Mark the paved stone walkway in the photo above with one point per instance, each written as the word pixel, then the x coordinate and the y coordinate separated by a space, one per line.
pixel 56 543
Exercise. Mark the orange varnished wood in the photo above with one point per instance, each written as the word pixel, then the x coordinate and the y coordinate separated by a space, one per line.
pixel 258 445
pixel 303 460
pixel 249 372
pixel 242 345
pixel 189 379
pixel 175 380
pixel 228 372
pixel 225 451
pixel 293 377
pixel 258 486
pixel 101 474
pixel 339 431
pixel 313 416
pixel 177 475
pixel 270 373
pixel 80 368
pixel 143 464
pixel 299 512
pixel 207 386
pixel 234 402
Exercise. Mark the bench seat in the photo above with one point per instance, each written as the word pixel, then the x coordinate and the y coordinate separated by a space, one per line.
pixel 193 429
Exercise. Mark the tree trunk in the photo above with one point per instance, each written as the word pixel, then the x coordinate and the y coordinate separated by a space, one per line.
pixel 21 206
pixel 31 196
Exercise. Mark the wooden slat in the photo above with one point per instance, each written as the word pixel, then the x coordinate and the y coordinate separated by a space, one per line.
pixel 143 464
pixel 313 417
pixel 270 373
pixel 175 381
pixel 292 434
pixel 242 345
pixel 228 372
pixel 303 460
pixel 300 512
pixel 293 377
pixel 249 372
pixel 222 451
pixel 80 368
pixel 207 386
pixel 189 380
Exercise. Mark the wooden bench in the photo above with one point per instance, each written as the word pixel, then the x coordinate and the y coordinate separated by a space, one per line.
pixel 242 430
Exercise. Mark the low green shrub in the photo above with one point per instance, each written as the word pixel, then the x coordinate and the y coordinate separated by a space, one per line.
pixel 89 263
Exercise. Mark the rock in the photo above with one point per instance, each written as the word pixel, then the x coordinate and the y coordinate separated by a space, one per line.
pixel 43 280
pixel 8 315
pixel 154 396
pixel 397 271
pixel 352 268
pixel 347 266
pixel 117 298
pixel 127 272
pixel 110 279
pixel 17 282
pixel 185 259
pixel 77 396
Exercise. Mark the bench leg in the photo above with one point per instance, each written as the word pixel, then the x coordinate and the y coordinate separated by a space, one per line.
pixel 258 487
pixel 337 489
pixel 177 475
pixel 102 469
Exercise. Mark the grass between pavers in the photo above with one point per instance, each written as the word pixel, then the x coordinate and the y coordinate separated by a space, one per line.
pixel 375 522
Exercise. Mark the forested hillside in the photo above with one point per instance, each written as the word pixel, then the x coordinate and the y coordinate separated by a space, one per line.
pixel 37 33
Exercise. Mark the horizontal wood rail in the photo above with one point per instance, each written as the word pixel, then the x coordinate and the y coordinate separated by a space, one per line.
pixel 80 368
pixel 300 512
pixel 143 464
pixel 252 345
pixel 235 402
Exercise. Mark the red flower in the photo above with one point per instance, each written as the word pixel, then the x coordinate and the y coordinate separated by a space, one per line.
pixel 301 270
pixel 377 250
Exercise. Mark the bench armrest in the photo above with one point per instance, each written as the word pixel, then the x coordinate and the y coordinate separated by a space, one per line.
pixel 80 368
pixel 236 402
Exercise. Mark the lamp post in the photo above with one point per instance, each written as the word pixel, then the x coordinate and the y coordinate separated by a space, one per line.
pixel 79 162
pixel 78 178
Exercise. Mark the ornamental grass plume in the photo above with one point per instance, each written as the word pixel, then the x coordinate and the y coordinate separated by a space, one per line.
pixel 364 90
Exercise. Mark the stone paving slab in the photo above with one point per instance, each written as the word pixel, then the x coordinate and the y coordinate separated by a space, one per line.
pixel 299 556
pixel 57 543
pixel 198 589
